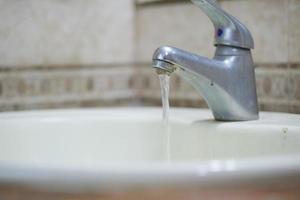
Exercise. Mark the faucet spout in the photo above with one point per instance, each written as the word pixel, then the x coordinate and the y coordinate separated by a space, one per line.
pixel 226 82
pixel 168 59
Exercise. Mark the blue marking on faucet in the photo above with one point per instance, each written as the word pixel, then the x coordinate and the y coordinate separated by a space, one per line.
pixel 220 32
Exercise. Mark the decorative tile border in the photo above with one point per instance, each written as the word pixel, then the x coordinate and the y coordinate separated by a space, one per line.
pixel 278 87
pixel 27 89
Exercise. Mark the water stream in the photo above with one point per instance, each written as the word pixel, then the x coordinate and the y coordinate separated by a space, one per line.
pixel 164 80
pixel 164 85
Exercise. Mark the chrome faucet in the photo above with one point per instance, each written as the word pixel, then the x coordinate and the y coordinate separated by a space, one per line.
pixel 226 82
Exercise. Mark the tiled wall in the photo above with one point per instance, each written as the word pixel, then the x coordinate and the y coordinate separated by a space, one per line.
pixel 67 87
pixel 69 53
pixel 65 32
pixel 80 53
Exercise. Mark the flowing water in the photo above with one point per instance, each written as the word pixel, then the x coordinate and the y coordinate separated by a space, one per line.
pixel 164 85
pixel 164 80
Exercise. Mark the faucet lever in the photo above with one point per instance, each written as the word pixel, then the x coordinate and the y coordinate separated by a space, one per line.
pixel 229 31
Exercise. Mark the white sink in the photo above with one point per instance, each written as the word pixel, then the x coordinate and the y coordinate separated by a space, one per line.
pixel 95 149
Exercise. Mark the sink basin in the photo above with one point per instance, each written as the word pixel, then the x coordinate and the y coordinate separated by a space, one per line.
pixel 121 148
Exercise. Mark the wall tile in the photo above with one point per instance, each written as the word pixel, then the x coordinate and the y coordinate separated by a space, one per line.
pixel 32 89
pixel 96 86
pixel 294 90
pixel 55 32
pixel 294 31
pixel 267 20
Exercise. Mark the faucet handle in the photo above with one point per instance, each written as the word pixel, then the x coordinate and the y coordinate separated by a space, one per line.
pixel 228 30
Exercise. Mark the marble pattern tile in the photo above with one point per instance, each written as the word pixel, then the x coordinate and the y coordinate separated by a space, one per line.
pixel 278 88
pixel 294 31
pixel 55 32
pixel 267 20
pixel 37 88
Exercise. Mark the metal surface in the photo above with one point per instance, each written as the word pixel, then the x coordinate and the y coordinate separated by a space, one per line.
pixel 227 82
pixel 228 30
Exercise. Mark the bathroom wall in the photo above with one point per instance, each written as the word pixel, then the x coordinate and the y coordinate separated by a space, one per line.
pixel 77 53
pixel 65 53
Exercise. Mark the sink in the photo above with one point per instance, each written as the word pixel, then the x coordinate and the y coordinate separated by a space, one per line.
pixel 127 148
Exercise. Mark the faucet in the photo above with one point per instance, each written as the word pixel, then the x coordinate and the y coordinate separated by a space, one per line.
pixel 226 82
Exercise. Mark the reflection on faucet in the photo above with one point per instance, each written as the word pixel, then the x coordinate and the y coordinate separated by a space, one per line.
pixel 227 82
